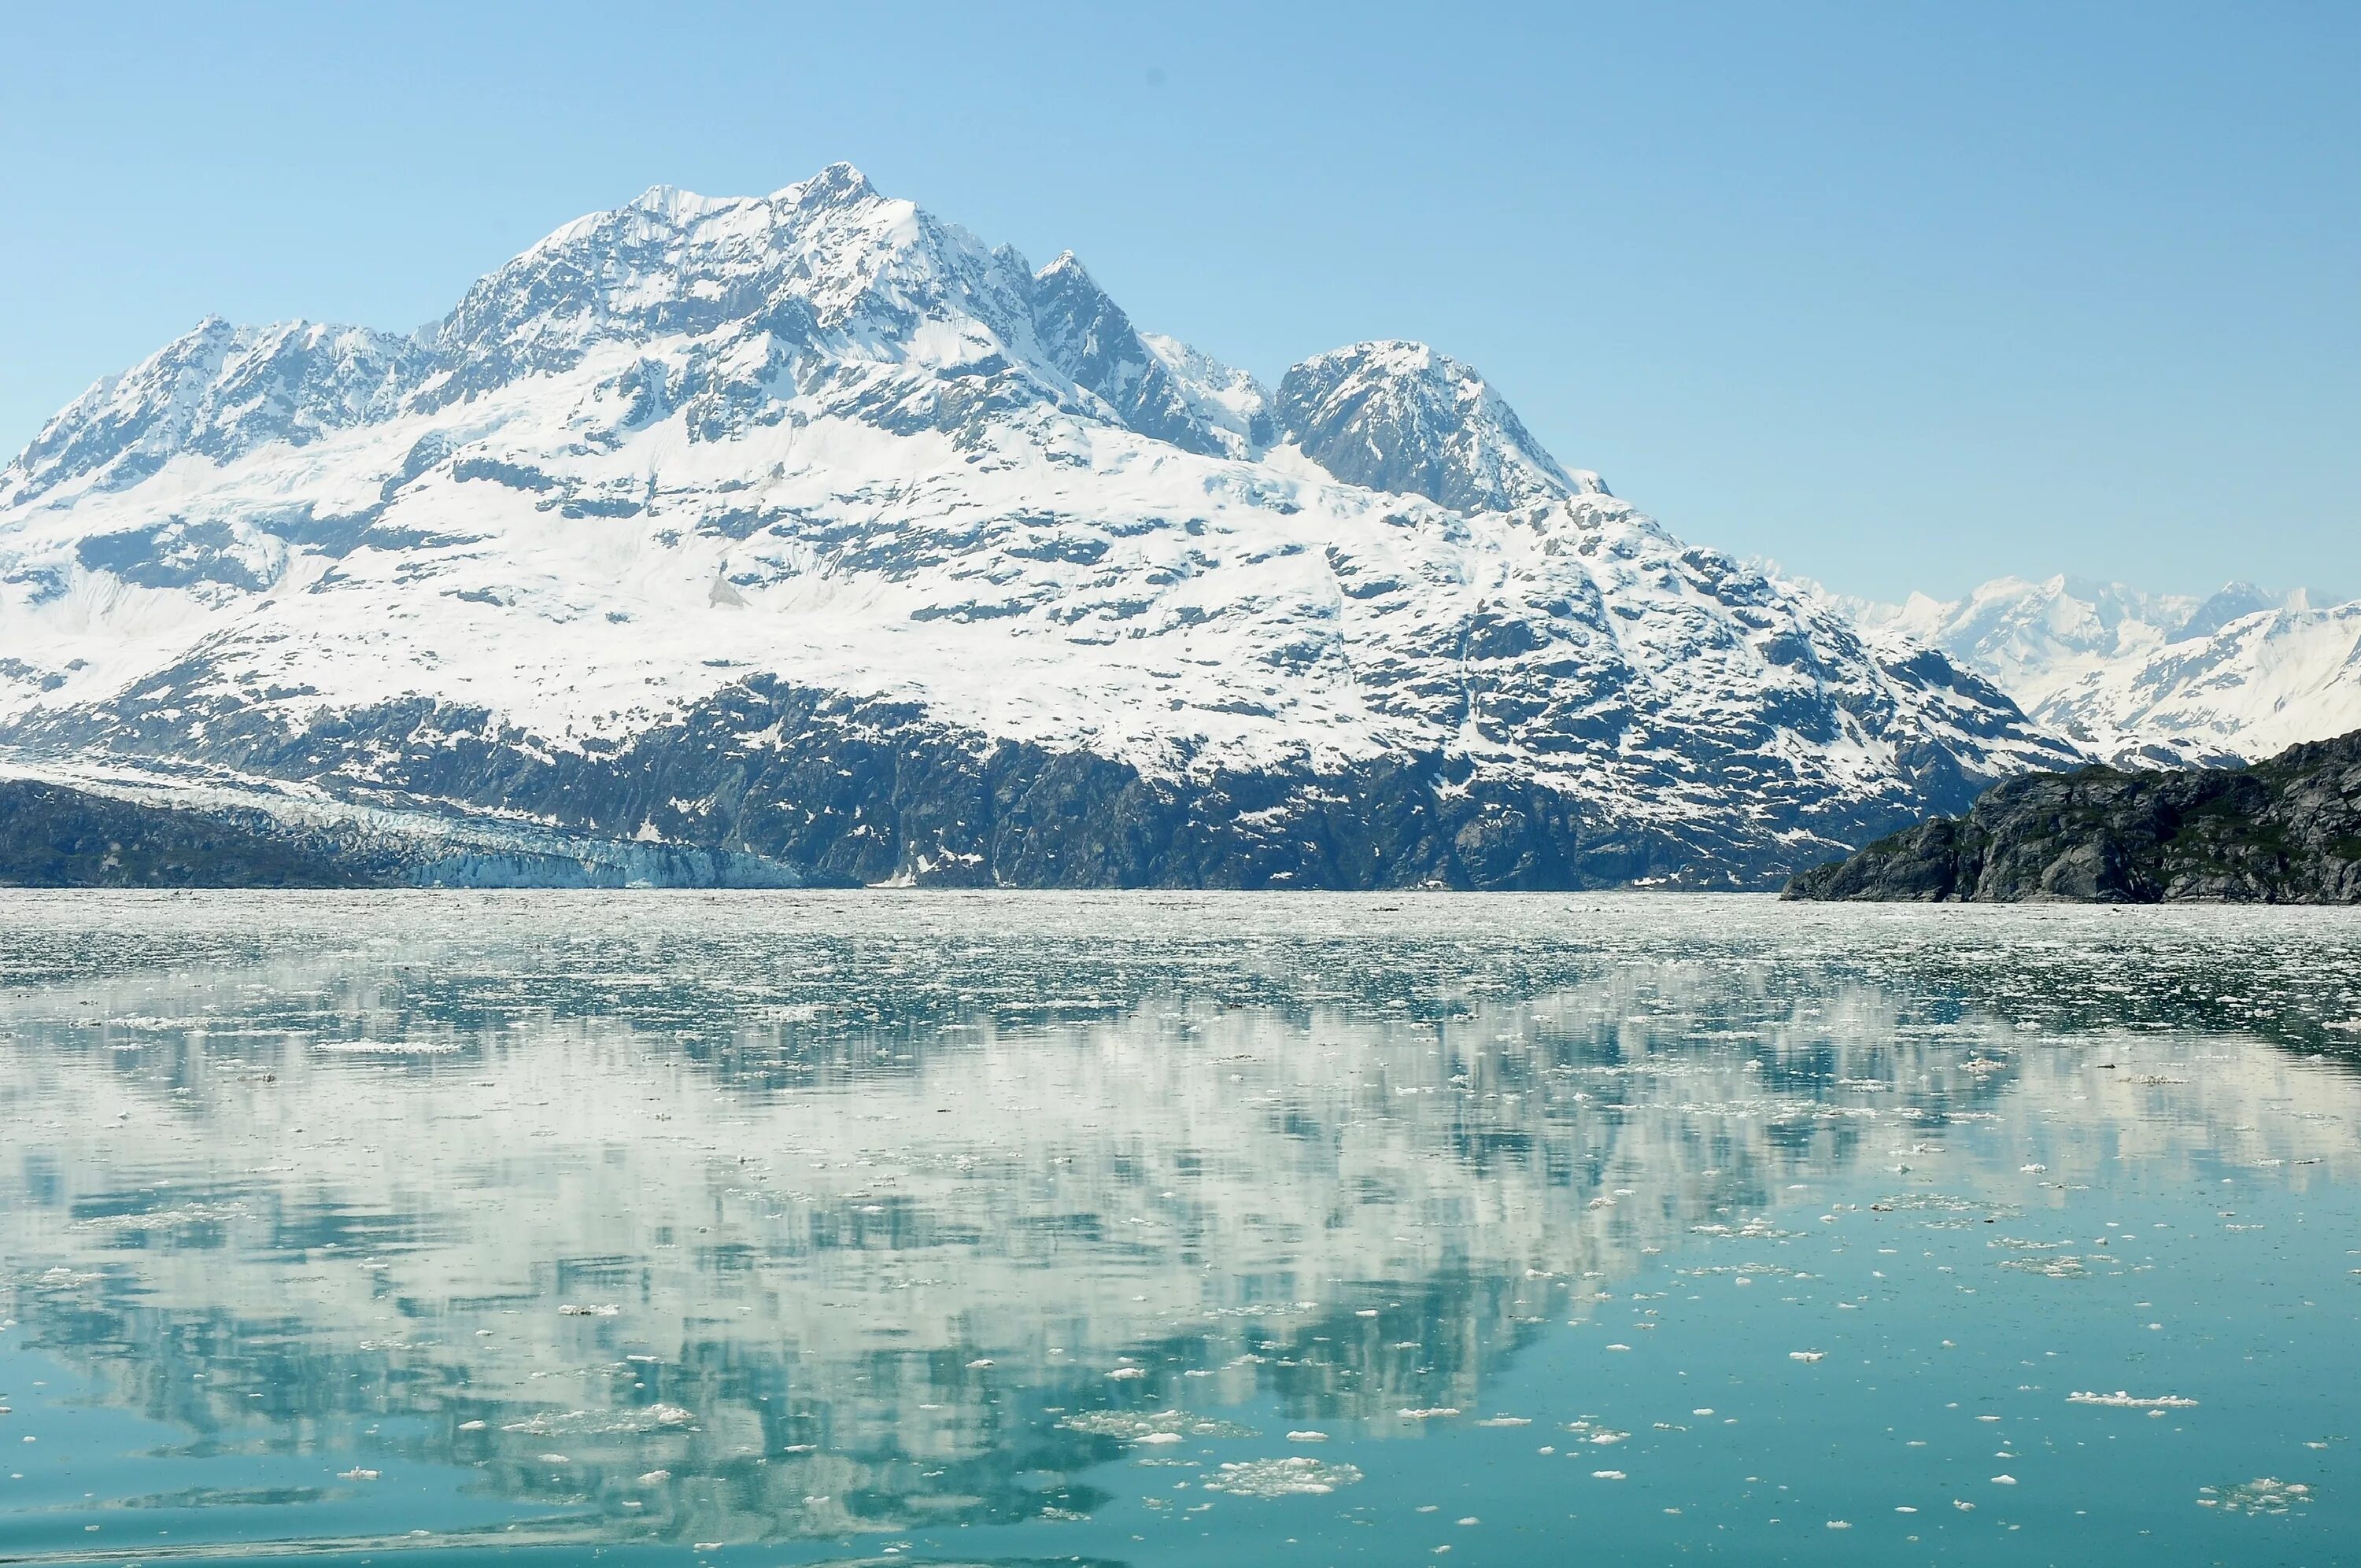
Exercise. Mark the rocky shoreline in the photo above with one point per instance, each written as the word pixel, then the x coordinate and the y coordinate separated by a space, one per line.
pixel 2286 831
pixel 54 837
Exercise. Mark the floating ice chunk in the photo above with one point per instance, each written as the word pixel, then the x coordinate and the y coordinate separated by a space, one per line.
pixel 1125 1373
pixel 1608 1474
pixel 1297 1476
pixel 1151 1425
pixel 631 1418
pixel 385 1047
pixel 2004 1480
pixel 356 1474
pixel 471 1426
pixel 1428 1414
pixel 1806 1355
pixel 1840 1524
pixel 1307 1436
pixel 1964 1506
pixel 2261 1495
pixel 1505 1422
pixel 571 1310
pixel 2123 1402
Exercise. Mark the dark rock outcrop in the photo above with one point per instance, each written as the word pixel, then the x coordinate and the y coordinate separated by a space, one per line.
pixel 2282 832
pixel 53 837
pixel 789 784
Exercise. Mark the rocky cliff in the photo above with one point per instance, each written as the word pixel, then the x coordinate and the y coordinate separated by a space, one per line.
pixel 2283 831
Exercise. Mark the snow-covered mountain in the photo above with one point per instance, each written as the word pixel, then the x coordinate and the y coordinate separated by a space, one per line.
pixel 2153 679
pixel 810 529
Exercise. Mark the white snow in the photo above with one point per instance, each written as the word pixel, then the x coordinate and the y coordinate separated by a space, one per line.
pixel 815 436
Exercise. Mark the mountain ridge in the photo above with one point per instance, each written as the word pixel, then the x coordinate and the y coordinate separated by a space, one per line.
pixel 718 493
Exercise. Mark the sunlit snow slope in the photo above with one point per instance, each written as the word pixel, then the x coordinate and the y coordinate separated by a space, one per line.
pixel 2150 679
pixel 810 528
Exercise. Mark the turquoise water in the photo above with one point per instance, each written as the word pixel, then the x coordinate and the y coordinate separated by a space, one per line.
pixel 1147 1229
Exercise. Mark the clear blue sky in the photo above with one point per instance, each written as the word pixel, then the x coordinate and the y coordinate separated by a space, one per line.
pixel 1902 295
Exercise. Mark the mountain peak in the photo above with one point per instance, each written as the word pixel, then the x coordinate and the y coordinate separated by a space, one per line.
pixel 2232 601
pixel 816 490
pixel 838 185
pixel 1395 414
pixel 673 204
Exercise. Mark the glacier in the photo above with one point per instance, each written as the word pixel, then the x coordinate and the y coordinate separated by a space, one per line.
pixel 809 535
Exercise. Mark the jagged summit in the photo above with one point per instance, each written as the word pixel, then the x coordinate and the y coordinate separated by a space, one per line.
pixel 1399 416
pixel 217 392
pixel 824 277
pixel 810 528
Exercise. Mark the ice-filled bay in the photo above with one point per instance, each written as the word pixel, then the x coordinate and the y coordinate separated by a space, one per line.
pixel 1176 1229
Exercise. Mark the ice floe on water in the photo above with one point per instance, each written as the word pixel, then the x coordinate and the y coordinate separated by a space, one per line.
pixel 1296 1476
pixel 883 1260
pixel 2065 1268
pixel 386 1048
pixel 1593 1431
pixel 2260 1496
pixel 593 1423
pixel 1155 1426
pixel 2123 1402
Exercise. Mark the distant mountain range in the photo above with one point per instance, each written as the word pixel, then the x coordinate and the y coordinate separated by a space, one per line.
pixel 2152 680
pixel 807 537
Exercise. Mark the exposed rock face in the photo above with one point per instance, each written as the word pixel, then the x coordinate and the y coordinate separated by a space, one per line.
pixel 1401 417
pixel 52 837
pixel 2284 831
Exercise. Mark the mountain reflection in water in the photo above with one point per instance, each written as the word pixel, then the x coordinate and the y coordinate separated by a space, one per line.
pixel 731 1219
